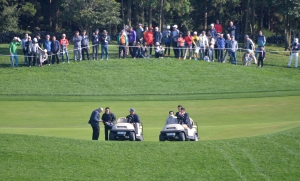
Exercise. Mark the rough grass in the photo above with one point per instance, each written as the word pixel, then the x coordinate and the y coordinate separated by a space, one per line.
pixel 269 157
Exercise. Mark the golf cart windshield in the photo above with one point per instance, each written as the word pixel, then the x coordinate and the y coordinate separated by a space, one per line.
pixel 122 120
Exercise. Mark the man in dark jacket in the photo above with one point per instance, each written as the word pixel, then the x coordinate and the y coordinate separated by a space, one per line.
pixel 94 122
pixel 184 119
pixel 85 45
pixel 157 36
pixel 108 119
pixel 134 119
pixel 95 43
pixel 55 47
pixel 231 29
pixel 28 50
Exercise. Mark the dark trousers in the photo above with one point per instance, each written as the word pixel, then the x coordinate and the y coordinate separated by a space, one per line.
pixel 211 54
pixel 96 132
pixel 29 58
pixel 122 51
pixel 34 59
pixel 55 57
pixel 260 61
pixel 220 55
pixel 226 55
pixel 216 52
pixel 180 51
pixel 131 49
pixel 95 51
pixel 25 56
pixel 106 131
pixel 150 49
pixel 85 49
pixel 176 51
pixel 167 48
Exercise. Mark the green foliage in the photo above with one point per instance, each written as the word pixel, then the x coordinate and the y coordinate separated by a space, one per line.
pixel 28 9
pixel 91 12
pixel 9 19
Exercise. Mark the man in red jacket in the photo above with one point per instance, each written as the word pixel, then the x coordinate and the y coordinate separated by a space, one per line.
pixel 149 39
pixel 218 27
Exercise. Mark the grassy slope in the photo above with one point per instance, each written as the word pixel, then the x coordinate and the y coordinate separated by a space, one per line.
pixel 217 119
pixel 269 157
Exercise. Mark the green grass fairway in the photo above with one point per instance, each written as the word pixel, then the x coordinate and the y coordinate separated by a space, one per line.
pixel 269 157
pixel 217 119
pixel 248 119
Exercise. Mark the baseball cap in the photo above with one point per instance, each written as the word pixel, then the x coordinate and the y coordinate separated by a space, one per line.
pixel 195 32
pixel 175 26
pixel 131 109
pixel 246 36
pixel 168 27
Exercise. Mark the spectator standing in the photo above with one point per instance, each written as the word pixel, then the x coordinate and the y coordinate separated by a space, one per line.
pixel 55 47
pixel 231 29
pixel 85 45
pixel 95 43
pixel 94 122
pixel 233 47
pixel 227 44
pixel 64 43
pixel 212 32
pixel 196 44
pixel 24 40
pixel 167 40
pixel 218 27
pixel 261 56
pixel 220 45
pixel 251 46
pixel 131 40
pixel 13 51
pixel 174 36
pixel 261 41
pixel 77 46
pixel 149 39
pixel 157 36
pixel 105 39
pixel 122 42
pixel 211 48
pixel 139 33
pixel 180 47
pixel 294 53
pixel 203 44
pixel 35 48
pixel 188 39
pixel 108 119
pixel 39 40
pixel 47 46
pixel 28 50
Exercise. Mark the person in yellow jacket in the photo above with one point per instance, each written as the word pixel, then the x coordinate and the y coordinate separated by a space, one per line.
pixel 13 51
pixel 196 46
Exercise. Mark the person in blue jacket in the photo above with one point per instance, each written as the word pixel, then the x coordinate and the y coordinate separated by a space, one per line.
pixel 105 39
pixel 167 40
pixel 94 122
pixel 220 47
pixel 95 43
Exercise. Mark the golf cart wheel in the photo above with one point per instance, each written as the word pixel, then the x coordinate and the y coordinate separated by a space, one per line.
pixel 111 136
pixel 181 136
pixel 195 137
pixel 161 137
pixel 131 136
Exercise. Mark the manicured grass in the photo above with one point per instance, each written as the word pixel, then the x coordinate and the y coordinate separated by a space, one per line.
pixel 217 119
pixel 269 157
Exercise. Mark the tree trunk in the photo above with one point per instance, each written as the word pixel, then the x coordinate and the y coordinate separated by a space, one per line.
pixel 221 13
pixel 261 17
pixel 205 17
pixel 122 12
pixel 150 15
pixel 246 19
pixel 161 14
pixel 129 3
pixel 253 19
pixel 269 20
pixel 288 31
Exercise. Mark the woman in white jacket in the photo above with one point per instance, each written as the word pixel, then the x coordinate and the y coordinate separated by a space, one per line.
pixel 203 44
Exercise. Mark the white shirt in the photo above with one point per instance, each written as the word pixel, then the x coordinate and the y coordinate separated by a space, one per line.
pixel 171 120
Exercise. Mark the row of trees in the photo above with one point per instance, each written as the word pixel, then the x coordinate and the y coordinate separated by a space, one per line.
pixel 276 16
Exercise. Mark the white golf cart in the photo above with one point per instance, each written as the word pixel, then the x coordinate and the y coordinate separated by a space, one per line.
pixel 173 132
pixel 123 130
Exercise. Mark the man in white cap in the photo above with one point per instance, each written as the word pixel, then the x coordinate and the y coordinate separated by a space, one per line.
pixel 94 122
pixel 294 53
pixel 167 40
pixel 24 40
pixel 174 36
pixel 13 51
pixel 227 42
pixel 203 44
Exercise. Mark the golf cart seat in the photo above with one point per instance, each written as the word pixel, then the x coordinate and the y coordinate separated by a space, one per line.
pixel 122 120
pixel 194 125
